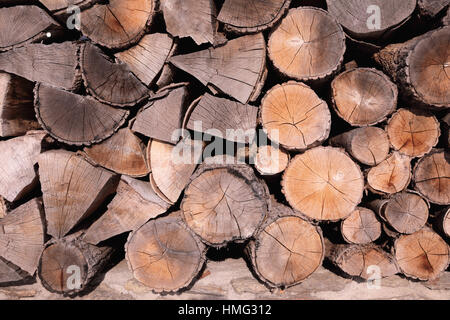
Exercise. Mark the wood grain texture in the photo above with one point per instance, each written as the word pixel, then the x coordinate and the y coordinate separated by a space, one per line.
pixel 361 227
pixel 271 160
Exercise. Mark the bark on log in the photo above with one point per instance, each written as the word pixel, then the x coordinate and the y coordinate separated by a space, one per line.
pixel 420 68
pixel 134 204
pixel 118 23
pixel 423 255
pixel 361 227
pixel 123 153
pixel 248 16
pixel 413 132
pixel 295 117
pixel 74 119
pixel 54 64
pixel 72 189
pixel 3 208
pixel 286 249
pixel 271 160
pixel 19 155
pixel 223 203
pixel 235 68
pixel 444 221
pixel 363 96
pixel 368 145
pixel 432 177
pixel 308 45
pixel 431 8
pixel 164 254
pixel 323 183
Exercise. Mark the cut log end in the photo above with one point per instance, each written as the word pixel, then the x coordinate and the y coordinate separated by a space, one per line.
pixel 271 160
pixel 361 227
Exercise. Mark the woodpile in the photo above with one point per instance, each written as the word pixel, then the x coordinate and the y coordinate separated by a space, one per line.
pixel 161 131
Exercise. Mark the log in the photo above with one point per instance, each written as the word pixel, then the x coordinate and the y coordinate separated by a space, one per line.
pixel 163 115
pixel 423 255
pixel 241 16
pixel 224 203
pixel 18 176
pixel 3 208
pixel 323 184
pixel 10 274
pixel 72 189
pixel 74 119
pixel 147 58
pixel 235 68
pixel 431 8
pixel 34 24
pixel 165 255
pixel 355 16
pixel 54 64
pixel 271 160
pixel 413 132
pixel 420 68
pixel 390 176
pixel 368 145
pixel 134 204
pixel 286 249
pixel 444 222
pixel 363 96
pixel 432 177
pixel 67 266
pixel 61 8
pixel 123 153
pixel 118 23
pixel 446 19
pixel 307 45
pixel 22 236
pixel 110 82
pixel 16 106
pixel 361 227
pixel 295 126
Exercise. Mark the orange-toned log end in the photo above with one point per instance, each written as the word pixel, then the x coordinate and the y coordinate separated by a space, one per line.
pixel 271 160
pixel 413 132
pixel 287 250
pixel 225 203
pixel 390 176
pixel 423 255
pixel 164 255
pixel 323 183
pixel 294 116
pixel 432 177
pixel 361 227
pixel 308 44
pixel 363 96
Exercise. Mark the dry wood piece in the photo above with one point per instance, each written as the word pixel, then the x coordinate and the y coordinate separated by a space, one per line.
pixel 10 273
pixel 420 67
pixel 134 204
pixel 163 115
pixel 118 23
pixel 361 227
pixel 286 249
pixel 25 24
pixel 72 189
pixel 445 222
pixel 64 8
pixel 248 16
pixel 355 15
pixel 432 177
pixel 110 82
pixel 164 255
pixel 423 255
pixel 147 58
pixel 16 106
pixel 368 145
pixel 413 132
pixel 22 236
pixel 223 118
pixel 363 96
pixel 223 203
pixel 294 116
pixel 271 160
pixel 19 155
pixel 68 265
pixel 3 208
pixel 309 44
pixel 446 19
pixel 236 68
pixel 75 119
pixel 431 8
pixel 123 153
pixel 323 183
pixel 362 261
pixel 390 176
pixel 53 64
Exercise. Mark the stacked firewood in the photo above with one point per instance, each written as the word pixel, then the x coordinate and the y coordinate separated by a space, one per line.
pixel 115 116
